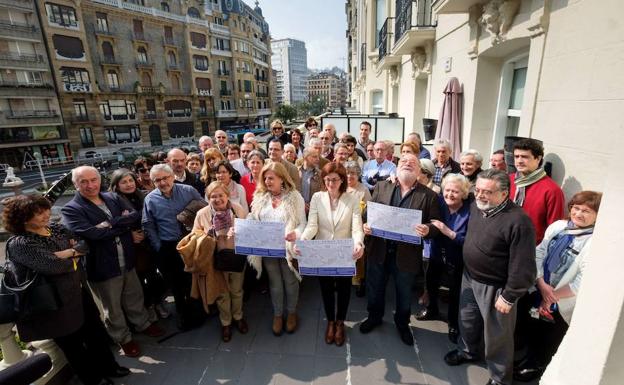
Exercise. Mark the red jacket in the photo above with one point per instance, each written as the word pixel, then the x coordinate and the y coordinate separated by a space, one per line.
pixel 544 203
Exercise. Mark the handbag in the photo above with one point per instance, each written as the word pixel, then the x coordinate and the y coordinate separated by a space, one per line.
pixel 35 296
pixel 187 216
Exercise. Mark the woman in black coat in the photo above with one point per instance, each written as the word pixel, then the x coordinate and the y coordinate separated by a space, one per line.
pixel 50 250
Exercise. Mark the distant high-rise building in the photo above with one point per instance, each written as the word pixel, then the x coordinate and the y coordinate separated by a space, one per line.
pixel 290 60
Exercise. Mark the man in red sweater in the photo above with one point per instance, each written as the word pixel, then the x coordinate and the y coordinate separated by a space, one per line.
pixel 533 190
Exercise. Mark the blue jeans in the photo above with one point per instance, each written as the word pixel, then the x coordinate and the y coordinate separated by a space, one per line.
pixel 377 275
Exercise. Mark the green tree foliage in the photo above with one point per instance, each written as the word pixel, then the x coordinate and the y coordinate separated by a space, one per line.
pixel 285 113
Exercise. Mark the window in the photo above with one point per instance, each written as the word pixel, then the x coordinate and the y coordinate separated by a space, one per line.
pixel 80 109
pixel 74 75
pixel 137 28
pixel 142 55
pixel 175 82
pixel 198 40
pixel 178 108
pixel 194 13
pixel 168 34
pixel 226 104
pixel 150 105
pixel 68 47
pixel 172 61
pixel 86 137
pixel 248 86
pixel 377 101
pixel 200 62
pixel 380 19
pixel 113 80
pixel 123 134
pixel 222 44
pixel 101 22
pixel 203 84
pixel 107 50
pixel 62 15
pixel 164 6
pixel 33 77
pixel 509 109
pixel 118 110
pixel 146 79
pixel 203 110
pixel 218 20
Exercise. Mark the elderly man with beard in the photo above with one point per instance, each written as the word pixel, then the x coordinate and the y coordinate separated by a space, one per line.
pixel 402 260
pixel 164 232
pixel 499 268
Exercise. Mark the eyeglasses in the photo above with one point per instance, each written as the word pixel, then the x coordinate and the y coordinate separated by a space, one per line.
pixel 487 193
pixel 332 180
pixel 164 178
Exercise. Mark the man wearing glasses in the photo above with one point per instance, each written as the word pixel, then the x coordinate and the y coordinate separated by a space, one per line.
pixel 499 268
pixel 164 232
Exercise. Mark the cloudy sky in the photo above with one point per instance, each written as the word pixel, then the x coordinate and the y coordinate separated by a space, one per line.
pixel 321 24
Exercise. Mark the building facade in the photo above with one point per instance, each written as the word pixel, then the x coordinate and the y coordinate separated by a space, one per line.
pixel 30 117
pixel 549 70
pixel 290 61
pixel 143 73
pixel 328 87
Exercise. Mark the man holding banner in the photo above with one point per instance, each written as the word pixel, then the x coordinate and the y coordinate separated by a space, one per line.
pixel 393 253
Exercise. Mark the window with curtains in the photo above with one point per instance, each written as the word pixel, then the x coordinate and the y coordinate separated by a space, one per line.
pixel 61 15
pixel 113 79
pixel 200 63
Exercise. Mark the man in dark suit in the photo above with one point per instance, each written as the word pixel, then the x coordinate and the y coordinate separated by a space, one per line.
pixel 402 260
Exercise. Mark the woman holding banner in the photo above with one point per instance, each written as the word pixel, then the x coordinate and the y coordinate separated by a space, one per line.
pixel 334 214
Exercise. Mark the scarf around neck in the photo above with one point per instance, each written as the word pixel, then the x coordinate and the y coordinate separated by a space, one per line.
pixel 523 181
pixel 560 255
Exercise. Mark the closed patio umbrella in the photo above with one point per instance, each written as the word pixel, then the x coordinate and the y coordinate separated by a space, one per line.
pixel 449 124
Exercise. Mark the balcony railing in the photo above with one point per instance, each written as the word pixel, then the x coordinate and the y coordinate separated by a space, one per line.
pixel 32 114
pixel 138 36
pixel 19 4
pixel 204 114
pixel 77 87
pixel 16 84
pixel 383 40
pixel 80 118
pixel 204 91
pixel 150 90
pixel 21 57
pixel 411 14
pixel 109 60
pixel 15 29
pixel 224 72
pixel 225 92
pixel 144 64
pixel 173 67
pixel 363 55
pixel 227 113
pixel 169 40
pixel 262 94
pixel 102 31
pixel 152 115
pixel 262 78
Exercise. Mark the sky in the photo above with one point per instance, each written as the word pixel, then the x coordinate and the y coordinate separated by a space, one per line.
pixel 321 24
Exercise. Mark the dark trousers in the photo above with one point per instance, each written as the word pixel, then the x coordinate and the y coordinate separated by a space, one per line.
pixel 87 349
pixel 336 292
pixel 541 338
pixel 436 269
pixel 171 266
pixel 377 275
pixel 479 318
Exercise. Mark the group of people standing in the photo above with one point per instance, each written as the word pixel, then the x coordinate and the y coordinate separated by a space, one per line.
pixel 512 258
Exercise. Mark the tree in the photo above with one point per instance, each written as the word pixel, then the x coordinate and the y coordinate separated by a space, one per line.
pixel 285 112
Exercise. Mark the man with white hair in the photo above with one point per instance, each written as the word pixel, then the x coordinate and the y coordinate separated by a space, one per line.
pixel 331 130
pixel 222 142
pixel 378 168
pixel 205 142
pixel 314 143
pixel 110 226
pixel 402 260
pixel 176 159
pixel 250 137
pixel 443 162
pixel 164 232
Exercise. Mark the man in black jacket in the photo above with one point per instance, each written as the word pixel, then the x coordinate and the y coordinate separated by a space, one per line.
pixel 176 159
pixel 442 161
pixel 499 267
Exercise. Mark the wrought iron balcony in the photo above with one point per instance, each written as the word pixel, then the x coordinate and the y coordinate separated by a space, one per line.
pixel 383 40
pixel 111 60
pixel 413 25
pixel 387 58
pixel 15 29
pixel 152 115
pixel 224 72
pixel 225 92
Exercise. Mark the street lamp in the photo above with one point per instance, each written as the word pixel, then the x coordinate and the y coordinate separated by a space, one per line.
pixel 43 181
pixel 247 98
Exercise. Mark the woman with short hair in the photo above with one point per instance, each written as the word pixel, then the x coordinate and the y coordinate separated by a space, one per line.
pixel 217 220
pixel 290 153
pixel 277 200
pixel 446 250
pixel 561 259
pixel 470 162
pixel 335 214
pixel 50 250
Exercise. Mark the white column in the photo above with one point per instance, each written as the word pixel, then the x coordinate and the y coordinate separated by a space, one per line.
pixel 593 350
pixel 11 351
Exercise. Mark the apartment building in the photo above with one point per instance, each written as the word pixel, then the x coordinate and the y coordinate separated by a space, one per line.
pixel 142 73
pixel 30 119
pixel 328 87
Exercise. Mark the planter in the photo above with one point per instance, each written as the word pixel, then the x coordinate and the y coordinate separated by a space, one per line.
pixel 429 127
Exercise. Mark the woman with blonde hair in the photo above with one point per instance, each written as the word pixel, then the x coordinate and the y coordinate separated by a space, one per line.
pixel 277 200
pixel 212 156
pixel 217 219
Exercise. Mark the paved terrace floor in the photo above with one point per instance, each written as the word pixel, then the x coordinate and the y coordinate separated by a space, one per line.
pixel 257 358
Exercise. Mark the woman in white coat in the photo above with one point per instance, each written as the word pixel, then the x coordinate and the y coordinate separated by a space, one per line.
pixel 334 214
pixel 561 258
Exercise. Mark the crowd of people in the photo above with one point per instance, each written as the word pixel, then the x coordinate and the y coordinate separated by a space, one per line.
pixel 504 245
